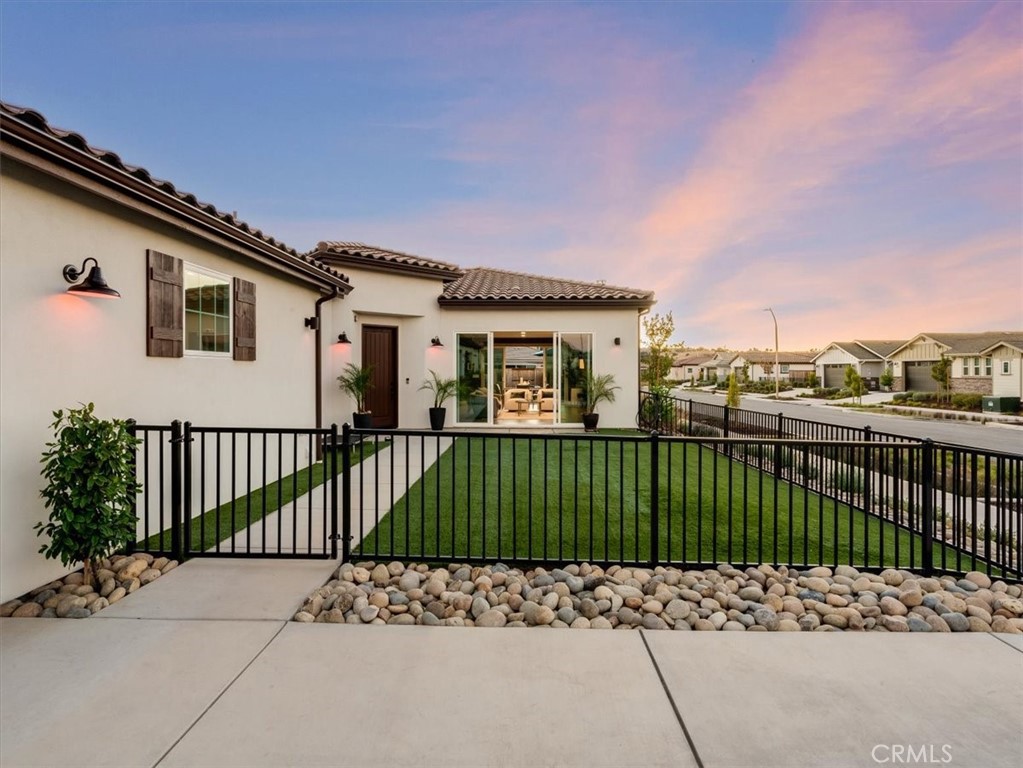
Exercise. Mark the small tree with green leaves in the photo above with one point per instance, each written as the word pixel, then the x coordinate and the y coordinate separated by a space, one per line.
pixel 854 383
pixel 658 331
pixel 598 389
pixel 733 398
pixel 941 372
pixel 887 379
pixel 90 488
pixel 357 382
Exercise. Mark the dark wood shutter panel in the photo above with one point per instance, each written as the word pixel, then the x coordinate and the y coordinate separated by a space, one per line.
pixel 165 313
pixel 244 320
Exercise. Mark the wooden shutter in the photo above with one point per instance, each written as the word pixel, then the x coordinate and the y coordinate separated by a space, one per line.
pixel 244 320
pixel 165 314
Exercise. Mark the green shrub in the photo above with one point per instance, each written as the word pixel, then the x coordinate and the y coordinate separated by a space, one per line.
pixel 90 488
pixel 900 397
pixel 848 480
pixel 967 401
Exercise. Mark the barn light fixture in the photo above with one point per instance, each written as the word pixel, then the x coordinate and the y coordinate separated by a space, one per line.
pixel 94 285
pixel 618 341
pixel 343 338
pixel 436 342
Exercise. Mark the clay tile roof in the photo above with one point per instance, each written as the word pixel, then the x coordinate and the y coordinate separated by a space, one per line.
pixel 482 285
pixel 382 259
pixel 693 360
pixel 30 127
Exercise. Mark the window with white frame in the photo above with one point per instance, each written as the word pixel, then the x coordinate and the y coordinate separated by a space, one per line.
pixel 208 312
pixel 976 366
pixel 987 366
pixel 1006 367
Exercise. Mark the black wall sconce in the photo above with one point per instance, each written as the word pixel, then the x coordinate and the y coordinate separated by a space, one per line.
pixel 436 342
pixel 312 322
pixel 618 341
pixel 94 285
pixel 342 338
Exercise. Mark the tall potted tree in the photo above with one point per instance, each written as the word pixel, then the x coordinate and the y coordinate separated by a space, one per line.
pixel 443 390
pixel 357 382
pixel 598 389
pixel 90 489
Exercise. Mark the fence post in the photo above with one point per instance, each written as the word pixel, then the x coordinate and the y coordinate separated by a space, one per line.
pixel 186 488
pixel 777 447
pixel 868 463
pixel 726 421
pixel 333 491
pixel 346 492
pixel 689 414
pixel 655 511
pixel 130 548
pixel 175 451
pixel 927 507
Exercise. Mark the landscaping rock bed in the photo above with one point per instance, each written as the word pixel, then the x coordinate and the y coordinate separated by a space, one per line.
pixel 723 598
pixel 69 598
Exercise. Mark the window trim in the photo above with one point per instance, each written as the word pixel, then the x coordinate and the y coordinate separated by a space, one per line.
pixel 229 281
pixel 1006 367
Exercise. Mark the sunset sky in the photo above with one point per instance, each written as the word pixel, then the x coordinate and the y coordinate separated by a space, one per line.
pixel 857 167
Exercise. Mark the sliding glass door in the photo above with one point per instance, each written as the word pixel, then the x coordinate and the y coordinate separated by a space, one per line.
pixel 522 378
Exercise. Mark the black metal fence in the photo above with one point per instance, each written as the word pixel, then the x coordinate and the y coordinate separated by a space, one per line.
pixel 858 498
pixel 648 499
pixel 237 492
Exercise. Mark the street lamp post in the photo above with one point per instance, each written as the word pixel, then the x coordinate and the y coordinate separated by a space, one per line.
pixel 777 368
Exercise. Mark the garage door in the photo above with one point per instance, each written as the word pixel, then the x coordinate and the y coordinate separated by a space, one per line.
pixel 918 377
pixel 834 375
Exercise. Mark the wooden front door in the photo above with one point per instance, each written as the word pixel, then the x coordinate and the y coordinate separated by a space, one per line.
pixel 380 350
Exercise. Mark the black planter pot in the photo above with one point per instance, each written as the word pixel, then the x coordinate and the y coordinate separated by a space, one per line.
pixel 437 418
pixel 362 420
pixel 590 421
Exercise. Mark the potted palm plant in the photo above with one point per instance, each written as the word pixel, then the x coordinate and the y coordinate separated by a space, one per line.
pixel 598 389
pixel 443 390
pixel 357 382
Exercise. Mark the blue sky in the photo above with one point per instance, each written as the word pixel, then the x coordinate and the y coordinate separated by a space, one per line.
pixel 858 167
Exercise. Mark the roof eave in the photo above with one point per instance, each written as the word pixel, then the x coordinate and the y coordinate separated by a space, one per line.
pixel 354 261
pixel 540 302
pixel 50 153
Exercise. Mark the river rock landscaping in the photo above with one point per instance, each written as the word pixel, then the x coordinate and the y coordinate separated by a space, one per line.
pixel 584 596
pixel 69 598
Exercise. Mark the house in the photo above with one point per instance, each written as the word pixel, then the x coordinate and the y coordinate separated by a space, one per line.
pixel 221 324
pixel 868 358
pixel 794 367
pixel 519 345
pixel 972 356
pixel 1007 369
pixel 717 367
pixel 690 368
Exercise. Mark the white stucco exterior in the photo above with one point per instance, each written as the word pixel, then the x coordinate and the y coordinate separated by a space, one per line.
pixel 58 350
pixel 1007 378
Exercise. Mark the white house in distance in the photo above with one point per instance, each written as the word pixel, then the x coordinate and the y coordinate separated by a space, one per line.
pixel 690 369
pixel 980 362
pixel 868 358
pixel 222 325
pixel 794 367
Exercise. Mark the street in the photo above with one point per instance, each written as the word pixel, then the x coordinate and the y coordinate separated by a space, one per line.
pixel 984 436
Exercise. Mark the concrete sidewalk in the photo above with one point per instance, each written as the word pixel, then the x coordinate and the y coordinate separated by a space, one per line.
pixel 202 668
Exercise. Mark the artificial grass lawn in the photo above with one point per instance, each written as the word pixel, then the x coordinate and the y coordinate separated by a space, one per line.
pixel 221 523
pixel 487 498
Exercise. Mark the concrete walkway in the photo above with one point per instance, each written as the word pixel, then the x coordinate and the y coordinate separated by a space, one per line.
pixel 203 668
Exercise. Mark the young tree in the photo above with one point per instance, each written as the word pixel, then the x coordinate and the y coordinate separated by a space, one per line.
pixel 90 474
pixel 733 398
pixel 658 331
pixel 887 378
pixel 941 372
pixel 854 383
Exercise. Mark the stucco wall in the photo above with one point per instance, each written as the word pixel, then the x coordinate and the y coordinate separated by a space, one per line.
pixel 58 350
